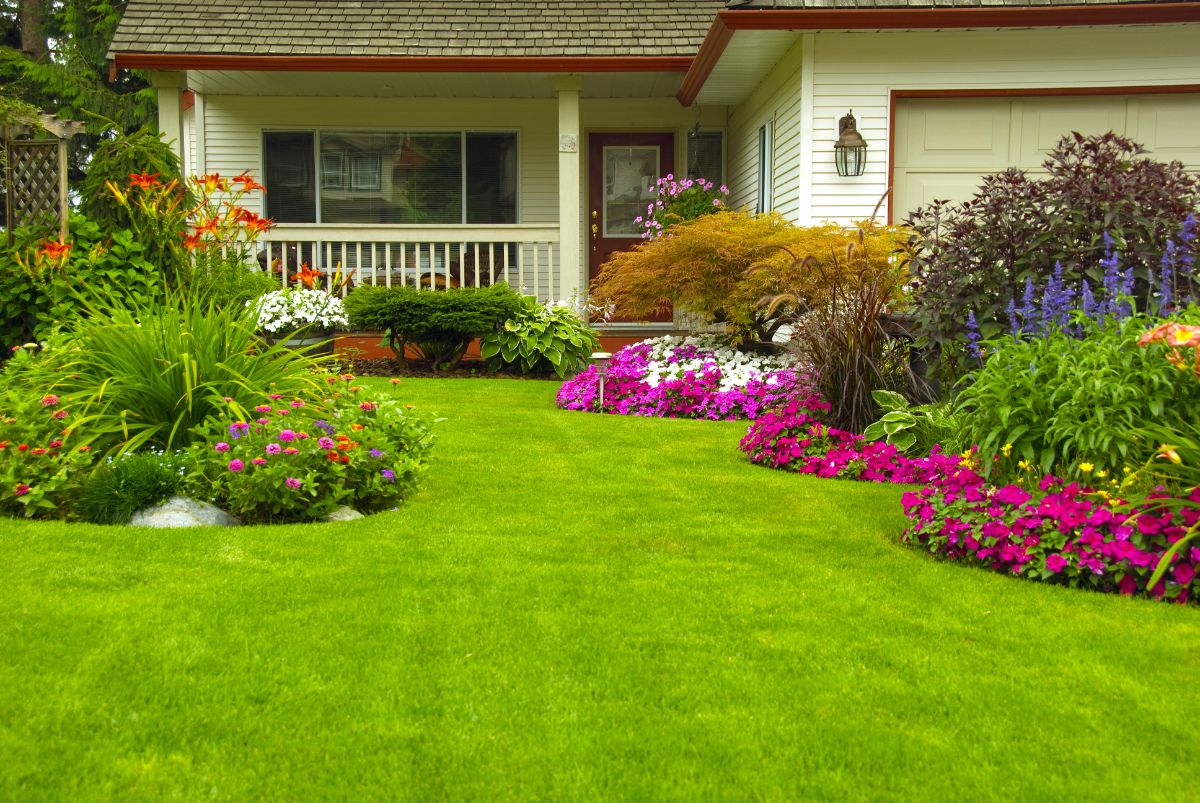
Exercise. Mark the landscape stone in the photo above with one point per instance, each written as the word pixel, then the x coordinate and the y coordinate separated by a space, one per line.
pixel 181 511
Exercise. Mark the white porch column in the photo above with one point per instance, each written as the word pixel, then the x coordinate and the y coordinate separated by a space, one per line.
pixel 169 86
pixel 570 187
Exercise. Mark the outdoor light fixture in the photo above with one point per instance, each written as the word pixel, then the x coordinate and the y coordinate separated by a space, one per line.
pixel 850 150
pixel 600 360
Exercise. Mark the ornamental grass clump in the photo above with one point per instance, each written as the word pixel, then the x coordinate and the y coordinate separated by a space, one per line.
pixel 147 379
pixel 695 377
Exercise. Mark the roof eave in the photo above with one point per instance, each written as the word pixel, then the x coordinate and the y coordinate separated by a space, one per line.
pixel 259 63
pixel 729 21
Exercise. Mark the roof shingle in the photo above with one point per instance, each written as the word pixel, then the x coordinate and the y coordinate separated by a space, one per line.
pixel 429 28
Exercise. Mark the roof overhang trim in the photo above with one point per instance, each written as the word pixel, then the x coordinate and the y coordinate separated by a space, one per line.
pixel 730 21
pixel 400 64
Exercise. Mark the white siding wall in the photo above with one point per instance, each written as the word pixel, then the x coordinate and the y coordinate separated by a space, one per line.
pixel 776 99
pixel 234 126
pixel 859 70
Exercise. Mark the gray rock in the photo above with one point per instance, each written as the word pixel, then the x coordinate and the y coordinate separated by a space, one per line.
pixel 344 513
pixel 180 511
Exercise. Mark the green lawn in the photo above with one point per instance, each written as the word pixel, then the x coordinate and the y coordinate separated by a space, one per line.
pixel 577 607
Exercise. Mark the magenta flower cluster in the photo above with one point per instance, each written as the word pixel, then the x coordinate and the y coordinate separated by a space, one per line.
pixel 793 437
pixel 689 381
pixel 678 199
pixel 1060 533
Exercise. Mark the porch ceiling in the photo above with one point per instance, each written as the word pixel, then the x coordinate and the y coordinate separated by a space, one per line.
pixel 428 85
pixel 749 56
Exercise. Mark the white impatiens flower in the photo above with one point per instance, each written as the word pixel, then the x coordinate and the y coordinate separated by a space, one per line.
pixel 294 308
pixel 737 368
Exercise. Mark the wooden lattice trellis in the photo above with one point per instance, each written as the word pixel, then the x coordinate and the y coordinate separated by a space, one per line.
pixel 35 171
pixel 36 184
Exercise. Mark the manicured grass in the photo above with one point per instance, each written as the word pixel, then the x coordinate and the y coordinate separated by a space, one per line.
pixel 577 607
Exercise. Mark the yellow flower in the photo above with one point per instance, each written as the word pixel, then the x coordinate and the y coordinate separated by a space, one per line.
pixel 1025 465
pixel 1006 450
pixel 1102 473
pixel 1086 468
pixel 1169 453
pixel 1128 470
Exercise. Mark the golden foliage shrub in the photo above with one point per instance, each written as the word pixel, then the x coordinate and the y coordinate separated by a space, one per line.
pixel 704 266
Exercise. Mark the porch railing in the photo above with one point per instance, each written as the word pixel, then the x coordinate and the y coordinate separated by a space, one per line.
pixel 427 257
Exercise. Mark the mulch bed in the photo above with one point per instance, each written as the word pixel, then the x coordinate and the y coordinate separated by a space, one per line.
pixel 467 369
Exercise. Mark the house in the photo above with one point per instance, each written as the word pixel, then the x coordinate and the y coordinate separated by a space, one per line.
pixel 450 142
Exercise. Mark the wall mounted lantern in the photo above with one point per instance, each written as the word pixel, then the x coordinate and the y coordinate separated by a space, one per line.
pixel 850 150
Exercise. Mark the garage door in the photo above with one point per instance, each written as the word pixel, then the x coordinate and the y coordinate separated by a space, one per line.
pixel 943 147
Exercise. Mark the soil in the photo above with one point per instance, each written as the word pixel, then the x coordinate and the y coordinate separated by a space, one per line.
pixel 467 369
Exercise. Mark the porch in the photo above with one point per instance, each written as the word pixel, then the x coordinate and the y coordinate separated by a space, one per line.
pixel 442 180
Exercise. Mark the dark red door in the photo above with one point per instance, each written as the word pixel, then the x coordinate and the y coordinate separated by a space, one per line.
pixel 622 169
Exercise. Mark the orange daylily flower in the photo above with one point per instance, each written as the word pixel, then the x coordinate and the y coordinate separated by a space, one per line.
pixel 143 181
pixel 307 276
pixel 213 181
pixel 193 241
pixel 207 227
pixel 248 183
pixel 54 250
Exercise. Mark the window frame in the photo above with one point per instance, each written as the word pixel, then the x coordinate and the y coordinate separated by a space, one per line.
pixel 318 131
pixel 724 154
pixel 766 168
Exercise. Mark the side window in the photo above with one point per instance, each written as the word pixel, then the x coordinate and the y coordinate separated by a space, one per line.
pixel 290 176
pixel 766 149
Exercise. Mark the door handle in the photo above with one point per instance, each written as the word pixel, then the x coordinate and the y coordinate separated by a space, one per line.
pixel 595 228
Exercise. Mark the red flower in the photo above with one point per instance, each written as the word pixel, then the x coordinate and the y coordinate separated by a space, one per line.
pixel 53 250
pixel 85 448
pixel 24 447
pixel 143 181
pixel 21 489
pixel 207 227
pixel 38 451
pixel 248 183
pixel 307 275
pixel 193 241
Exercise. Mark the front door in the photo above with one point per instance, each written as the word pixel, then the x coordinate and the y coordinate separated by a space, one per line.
pixel 622 169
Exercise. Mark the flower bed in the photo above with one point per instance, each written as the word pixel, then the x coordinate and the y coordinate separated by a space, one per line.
pixel 673 377
pixel 1059 532
pixel 792 437
pixel 1062 533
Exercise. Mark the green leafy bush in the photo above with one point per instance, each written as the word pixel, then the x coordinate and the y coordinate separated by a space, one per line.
pixel 976 256
pixel 114 161
pixel 916 429
pixel 439 325
pixel 43 463
pixel 540 339
pixel 124 485
pixel 298 460
pixel 1058 401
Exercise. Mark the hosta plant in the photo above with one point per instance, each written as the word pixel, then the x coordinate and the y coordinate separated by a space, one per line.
pixel 541 338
